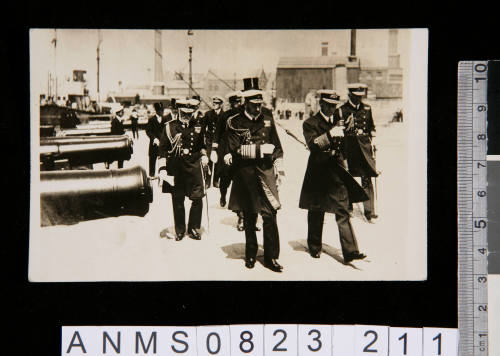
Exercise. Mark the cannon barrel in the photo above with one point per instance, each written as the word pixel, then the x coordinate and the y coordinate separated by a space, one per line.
pixel 68 197
pixel 86 149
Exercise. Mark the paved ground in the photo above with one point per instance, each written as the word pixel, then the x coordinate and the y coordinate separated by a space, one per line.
pixel 133 248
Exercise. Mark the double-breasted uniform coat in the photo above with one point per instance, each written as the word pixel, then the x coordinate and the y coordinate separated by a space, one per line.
pixel 210 120
pixel 254 189
pixel 183 144
pixel 327 186
pixel 358 148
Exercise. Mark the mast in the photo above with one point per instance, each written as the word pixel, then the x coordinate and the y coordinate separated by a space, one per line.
pixel 99 40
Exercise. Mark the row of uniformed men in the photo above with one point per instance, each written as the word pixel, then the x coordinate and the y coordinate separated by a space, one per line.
pixel 244 144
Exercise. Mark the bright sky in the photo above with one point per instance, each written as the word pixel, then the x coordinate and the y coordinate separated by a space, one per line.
pixel 128 55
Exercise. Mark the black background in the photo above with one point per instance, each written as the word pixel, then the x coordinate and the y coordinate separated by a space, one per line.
pixel 40 309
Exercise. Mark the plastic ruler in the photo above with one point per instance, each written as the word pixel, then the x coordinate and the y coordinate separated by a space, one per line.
pixel 472 208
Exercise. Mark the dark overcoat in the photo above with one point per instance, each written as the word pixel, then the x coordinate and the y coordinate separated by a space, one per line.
pixel 117 127
pixel 358 139
pixel 154 130
pixel 253 179
pixel 183 144
pixel 327 185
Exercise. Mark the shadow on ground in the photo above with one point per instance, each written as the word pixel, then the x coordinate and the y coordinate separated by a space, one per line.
pixel 335 253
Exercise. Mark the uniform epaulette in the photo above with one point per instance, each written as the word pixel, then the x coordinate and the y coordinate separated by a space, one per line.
pixel 230 118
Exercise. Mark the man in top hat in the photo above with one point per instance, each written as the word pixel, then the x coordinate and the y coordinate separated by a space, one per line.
pixel 174 111
pixel 218 146
pixel 154 129
pixel 327 186
pixel 358 147
pixel 197 112
pixel 254 151
pixel 210 120
pixel 183 155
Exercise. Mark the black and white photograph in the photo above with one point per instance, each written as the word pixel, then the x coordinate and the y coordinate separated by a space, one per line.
pixel 228 155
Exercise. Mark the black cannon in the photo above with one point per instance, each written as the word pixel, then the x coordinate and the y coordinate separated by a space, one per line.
pixel 83 150
pixel 67 197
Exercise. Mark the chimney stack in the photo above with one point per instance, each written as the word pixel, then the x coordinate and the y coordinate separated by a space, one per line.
pixel 393 49
pixel 158 71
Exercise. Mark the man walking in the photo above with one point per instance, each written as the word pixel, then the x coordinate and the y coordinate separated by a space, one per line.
pixel 154 130
pixel 210 120
pixel 254 151
pixel 183 156
pixel 134 118
pixel 327 186
pixel 117 127
pixel 359 151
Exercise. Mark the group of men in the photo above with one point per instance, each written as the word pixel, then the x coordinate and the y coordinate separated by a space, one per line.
pixel 242 146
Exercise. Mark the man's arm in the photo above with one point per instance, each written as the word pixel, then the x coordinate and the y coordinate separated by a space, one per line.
pixel 149 129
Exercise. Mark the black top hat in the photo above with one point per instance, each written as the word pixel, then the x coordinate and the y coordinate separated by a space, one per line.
pixel 172 102
pixel 197 97
pixel 250 83
pixel 158 108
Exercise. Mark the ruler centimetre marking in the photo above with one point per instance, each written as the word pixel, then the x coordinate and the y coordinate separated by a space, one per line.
pixel 472 208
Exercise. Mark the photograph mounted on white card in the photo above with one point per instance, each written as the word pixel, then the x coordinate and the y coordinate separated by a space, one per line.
pixel 233 155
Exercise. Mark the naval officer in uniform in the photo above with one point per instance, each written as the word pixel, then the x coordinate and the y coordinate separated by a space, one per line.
pixel 210 120
pixel 358 147
pixel 327 186
pixel 183 155
pixel 254 151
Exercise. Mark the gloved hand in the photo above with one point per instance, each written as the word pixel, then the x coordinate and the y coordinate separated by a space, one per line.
pixel 204 160
pixel 337 131
pixel 266 148
pixel 165 177
pixel 213 156
pixel 228 159
pixel 156 142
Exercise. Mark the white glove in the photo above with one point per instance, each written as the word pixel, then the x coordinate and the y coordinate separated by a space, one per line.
pixel 228 159
pixel 266 148
pixel 156 142
pixel 165 177
pixel 337 131
pixel 213 156
pixel 163 174
pixel 204 160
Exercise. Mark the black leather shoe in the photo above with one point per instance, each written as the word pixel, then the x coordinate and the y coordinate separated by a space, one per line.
pixel 241 225
pixel 368 217
pixel 354 256
pixel 315 254
pixel 273 265
pixel 223 201
pixel 374 216
pixel 250 262
pixel 194 234
pixel 179 236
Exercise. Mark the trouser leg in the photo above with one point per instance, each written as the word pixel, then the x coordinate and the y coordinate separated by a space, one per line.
pixel 271 234
pixel 366 183
pixel 179 213
pixel 346 232
pixel 152 165
pixel 225 182
pixel 120 164
pixel 250 235
pixel 195 213
pixel 315 230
